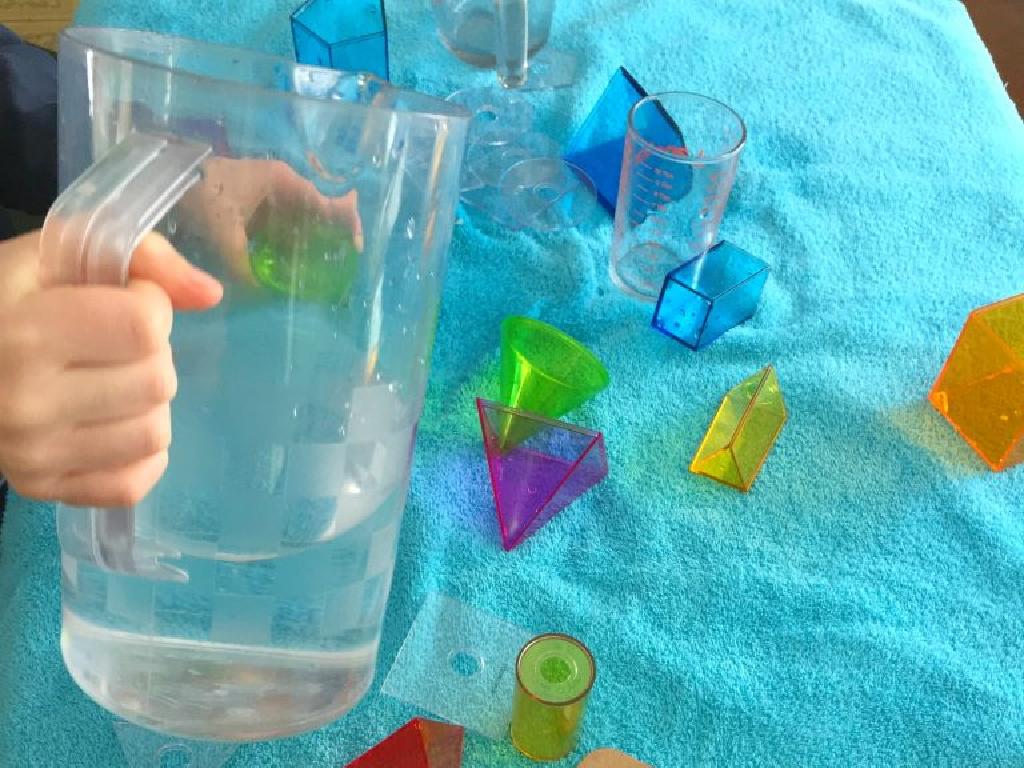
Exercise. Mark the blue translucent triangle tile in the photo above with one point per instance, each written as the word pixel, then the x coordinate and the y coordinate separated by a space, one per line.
pixel 598 146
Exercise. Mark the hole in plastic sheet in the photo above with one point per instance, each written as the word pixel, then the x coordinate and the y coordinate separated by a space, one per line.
pixel 174 756
pixel 447 640
pixel 545 195
pixel 144 748
pixel 499 116
pixel 465 663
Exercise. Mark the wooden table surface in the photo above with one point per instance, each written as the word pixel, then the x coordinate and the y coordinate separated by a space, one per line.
pixel 1001 25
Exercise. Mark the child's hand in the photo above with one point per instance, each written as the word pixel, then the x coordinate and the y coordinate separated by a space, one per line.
pixel 86 376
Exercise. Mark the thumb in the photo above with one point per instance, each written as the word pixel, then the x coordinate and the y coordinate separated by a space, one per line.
pixel 187 286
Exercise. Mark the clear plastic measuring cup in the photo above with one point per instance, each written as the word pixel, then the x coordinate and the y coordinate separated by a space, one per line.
pixel 681 155
pixel 243 598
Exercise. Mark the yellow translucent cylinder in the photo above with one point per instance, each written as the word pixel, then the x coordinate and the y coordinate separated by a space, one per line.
pixel 554 675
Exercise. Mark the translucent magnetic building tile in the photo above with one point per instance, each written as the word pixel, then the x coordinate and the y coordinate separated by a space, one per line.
pixel 708 295
pixel 459 663
pixel 350 35
pixel 554 675
pixel 144 748
pixel 743 431
pixel 610 758
pixel 980 390
pixel 420 743
pixel 598 146
pixel 537 466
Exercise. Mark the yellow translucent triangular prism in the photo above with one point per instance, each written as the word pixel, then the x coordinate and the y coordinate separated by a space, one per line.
pixel 743 431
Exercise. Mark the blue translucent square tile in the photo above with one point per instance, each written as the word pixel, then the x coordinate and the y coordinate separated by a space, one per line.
pixel 598 146
pixel 349 35
pixel 710 294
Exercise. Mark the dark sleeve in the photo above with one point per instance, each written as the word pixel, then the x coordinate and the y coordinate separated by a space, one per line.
pixel 28 125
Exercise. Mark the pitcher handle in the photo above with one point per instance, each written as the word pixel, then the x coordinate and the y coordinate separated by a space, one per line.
pixel 88 237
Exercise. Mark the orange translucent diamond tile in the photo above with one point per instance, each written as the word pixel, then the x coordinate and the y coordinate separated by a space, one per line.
pixel 980 390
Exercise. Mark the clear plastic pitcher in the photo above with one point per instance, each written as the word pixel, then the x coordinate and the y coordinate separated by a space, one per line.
pixel 499 34
pixel 243 598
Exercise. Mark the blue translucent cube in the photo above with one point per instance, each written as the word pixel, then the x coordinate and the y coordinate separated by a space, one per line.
pixel 598 147
pixel 710 294
pixel 350 35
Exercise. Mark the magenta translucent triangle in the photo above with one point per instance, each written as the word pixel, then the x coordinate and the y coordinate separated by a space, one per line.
pixel 545 468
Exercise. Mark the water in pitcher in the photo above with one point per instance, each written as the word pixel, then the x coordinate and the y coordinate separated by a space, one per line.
pixel 282 504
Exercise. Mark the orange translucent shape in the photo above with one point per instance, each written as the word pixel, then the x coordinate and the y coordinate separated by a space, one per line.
pixel 980 390
pixel 610 758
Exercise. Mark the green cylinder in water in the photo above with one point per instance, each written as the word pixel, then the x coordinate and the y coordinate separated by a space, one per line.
pixel 554 675
pixel 309 261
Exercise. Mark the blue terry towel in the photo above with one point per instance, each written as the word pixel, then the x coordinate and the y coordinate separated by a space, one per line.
pixel 863 605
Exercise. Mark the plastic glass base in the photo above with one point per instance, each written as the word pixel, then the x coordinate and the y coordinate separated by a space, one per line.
pixel 545 195
pixel 489 163
pixel 489 202
pixel 515 176
pixel 458 663
pixel 144 748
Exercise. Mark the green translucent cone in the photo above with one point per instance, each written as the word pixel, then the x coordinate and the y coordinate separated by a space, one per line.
pixel 307 261
pixel 545 371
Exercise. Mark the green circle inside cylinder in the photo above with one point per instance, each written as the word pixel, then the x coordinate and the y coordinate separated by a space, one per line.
pixel 309 260
pixel 556 669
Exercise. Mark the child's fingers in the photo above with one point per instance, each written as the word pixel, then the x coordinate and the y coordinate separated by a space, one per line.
pixel 92 447
pixel 187 286
pixel 121 487
pixel 92 395
pixel 86 325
